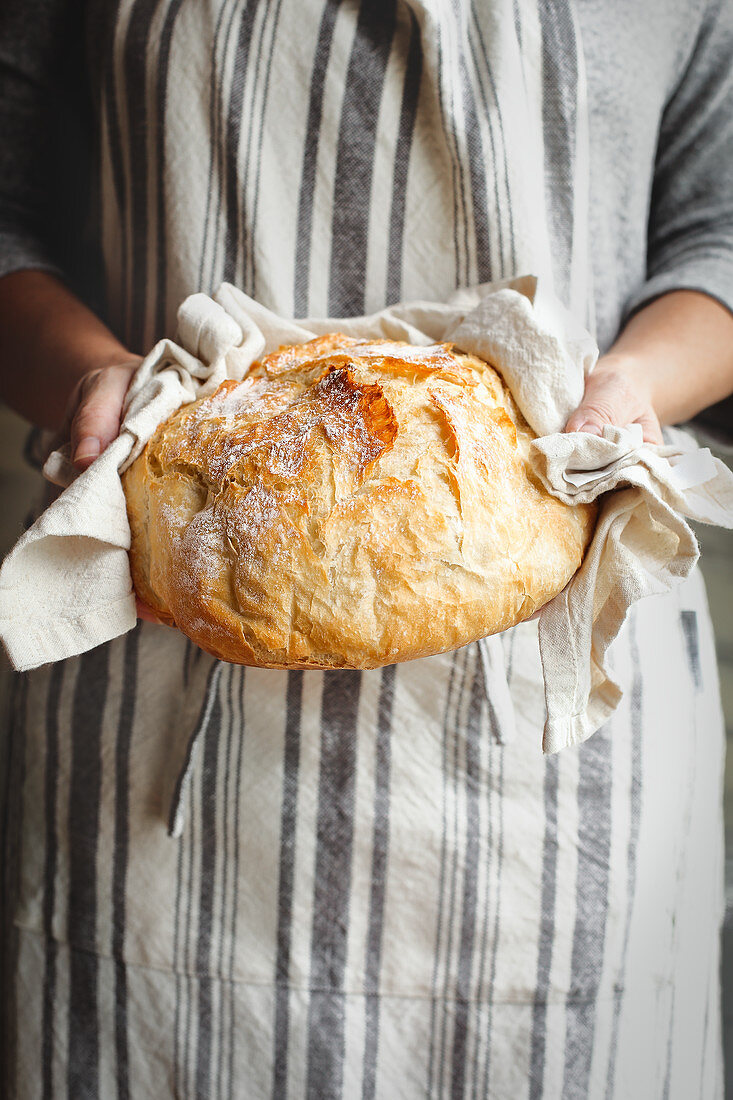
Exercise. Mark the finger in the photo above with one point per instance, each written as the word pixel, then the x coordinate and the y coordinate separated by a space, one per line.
pixel 601 405
pixel 584 420
pixel 651 428
pixel 592 419
pixel 598 407
pixel 145 611
pixel 610 398
pixel 96 421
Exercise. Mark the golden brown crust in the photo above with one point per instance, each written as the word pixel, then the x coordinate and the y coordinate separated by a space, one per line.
pixel 349 504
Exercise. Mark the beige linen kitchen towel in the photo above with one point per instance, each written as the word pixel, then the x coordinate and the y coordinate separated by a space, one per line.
pixel 66 587
pixel 641 545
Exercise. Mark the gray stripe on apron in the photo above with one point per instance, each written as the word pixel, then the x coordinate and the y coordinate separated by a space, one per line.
pixel 508 262
pixel 207 884
pixel 10 869
pixel 209 248
pixel 477 168
pixel 90 699
pixel 546 931
pixel 408 115
pixel 161 221
pixel 560 61
pixel 177 964
pixel 591 906
pixel 441 883
pixel 233 185
pixel 224 916
pixel 288 812
pixel 378 879
pixel 467 934
pixel 460 216
pixel 121 855
pixel 250 271
pixel 355 156
pixel 335 834
pixel 245 224
pixel 497 917
pixel 104 34
pixel 135 49
pixel 499 868
pixel 636 705
pixel 688 621
pixel 310 156
pixel 486 910
pixel 235 899
pixel 451 775
pixel 49 874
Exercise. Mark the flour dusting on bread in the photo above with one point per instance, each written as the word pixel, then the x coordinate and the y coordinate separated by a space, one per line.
pixel 349 504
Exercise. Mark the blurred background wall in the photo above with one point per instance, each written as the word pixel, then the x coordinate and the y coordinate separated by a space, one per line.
pixel 20 486
pixel 716 562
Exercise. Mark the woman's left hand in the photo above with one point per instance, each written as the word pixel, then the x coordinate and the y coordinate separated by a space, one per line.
pixel 615 393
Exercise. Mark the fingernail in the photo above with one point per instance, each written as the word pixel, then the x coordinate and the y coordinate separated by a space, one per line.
pixel 589 427
pixel 89 447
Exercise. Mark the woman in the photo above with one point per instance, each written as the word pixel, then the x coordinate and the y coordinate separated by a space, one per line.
pixel 374 894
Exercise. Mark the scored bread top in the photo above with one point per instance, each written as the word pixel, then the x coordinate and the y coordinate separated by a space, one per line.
pixel 350 504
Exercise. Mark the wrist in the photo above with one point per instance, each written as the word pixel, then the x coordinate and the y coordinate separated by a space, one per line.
pixel 49 342
pixel 90 358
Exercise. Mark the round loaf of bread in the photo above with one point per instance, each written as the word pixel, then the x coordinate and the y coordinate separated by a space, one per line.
pixel 349 504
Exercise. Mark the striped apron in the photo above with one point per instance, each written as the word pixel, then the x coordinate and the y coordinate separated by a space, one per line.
pixel 373 894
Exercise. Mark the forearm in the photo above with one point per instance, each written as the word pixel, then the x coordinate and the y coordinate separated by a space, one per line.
pixel 679 348
pixel 48 341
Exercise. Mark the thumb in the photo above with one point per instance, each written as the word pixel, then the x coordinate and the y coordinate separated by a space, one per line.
pixel 603 403
pixel 96 419
pixel 611 398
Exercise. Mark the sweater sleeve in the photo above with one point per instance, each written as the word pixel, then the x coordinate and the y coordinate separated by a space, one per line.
pixel 44 148
pixel 690 233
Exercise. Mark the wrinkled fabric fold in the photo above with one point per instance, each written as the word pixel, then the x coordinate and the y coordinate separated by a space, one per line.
pixel 76 553
pixel 642 545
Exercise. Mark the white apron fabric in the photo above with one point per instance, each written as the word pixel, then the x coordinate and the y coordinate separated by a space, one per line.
pixel 372 894
pixel 370 898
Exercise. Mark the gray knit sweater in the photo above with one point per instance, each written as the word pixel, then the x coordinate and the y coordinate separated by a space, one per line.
pixel 660 84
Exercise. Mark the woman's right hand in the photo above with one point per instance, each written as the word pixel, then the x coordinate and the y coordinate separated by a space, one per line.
pixel 94 410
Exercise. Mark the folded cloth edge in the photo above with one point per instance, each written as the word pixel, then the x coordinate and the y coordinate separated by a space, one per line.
pixel 196 377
